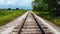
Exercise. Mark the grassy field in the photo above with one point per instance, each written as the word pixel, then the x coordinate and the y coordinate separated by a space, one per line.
pixel 9 15
pixel 46 15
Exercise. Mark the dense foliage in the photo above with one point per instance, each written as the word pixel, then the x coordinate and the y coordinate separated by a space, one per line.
pixel 46 15
pixel 48 9
pixel 47 5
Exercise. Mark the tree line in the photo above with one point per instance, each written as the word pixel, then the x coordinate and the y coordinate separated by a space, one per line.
pixel 47 5
pixel 11 9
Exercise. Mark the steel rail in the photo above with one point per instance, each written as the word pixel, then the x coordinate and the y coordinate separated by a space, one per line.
pixel 22 24
pixel 43 32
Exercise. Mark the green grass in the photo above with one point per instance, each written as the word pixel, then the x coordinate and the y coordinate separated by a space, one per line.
pixel 48 16
pixel 9 15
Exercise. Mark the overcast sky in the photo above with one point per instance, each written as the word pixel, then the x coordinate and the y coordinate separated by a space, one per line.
pixel 25 4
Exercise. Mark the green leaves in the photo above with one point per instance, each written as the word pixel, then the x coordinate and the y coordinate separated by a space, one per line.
pixel 45 5
pixel 39 5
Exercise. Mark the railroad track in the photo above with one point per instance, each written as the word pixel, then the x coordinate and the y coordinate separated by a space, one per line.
pixel 31 25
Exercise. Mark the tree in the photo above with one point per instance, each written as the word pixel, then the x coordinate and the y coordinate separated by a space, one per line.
pixel 9 9
pixel 54 6
pixel 17 8
pixel 39 5
pixel 51 5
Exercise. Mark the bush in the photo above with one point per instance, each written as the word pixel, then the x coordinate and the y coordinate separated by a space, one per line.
pixel 50 17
